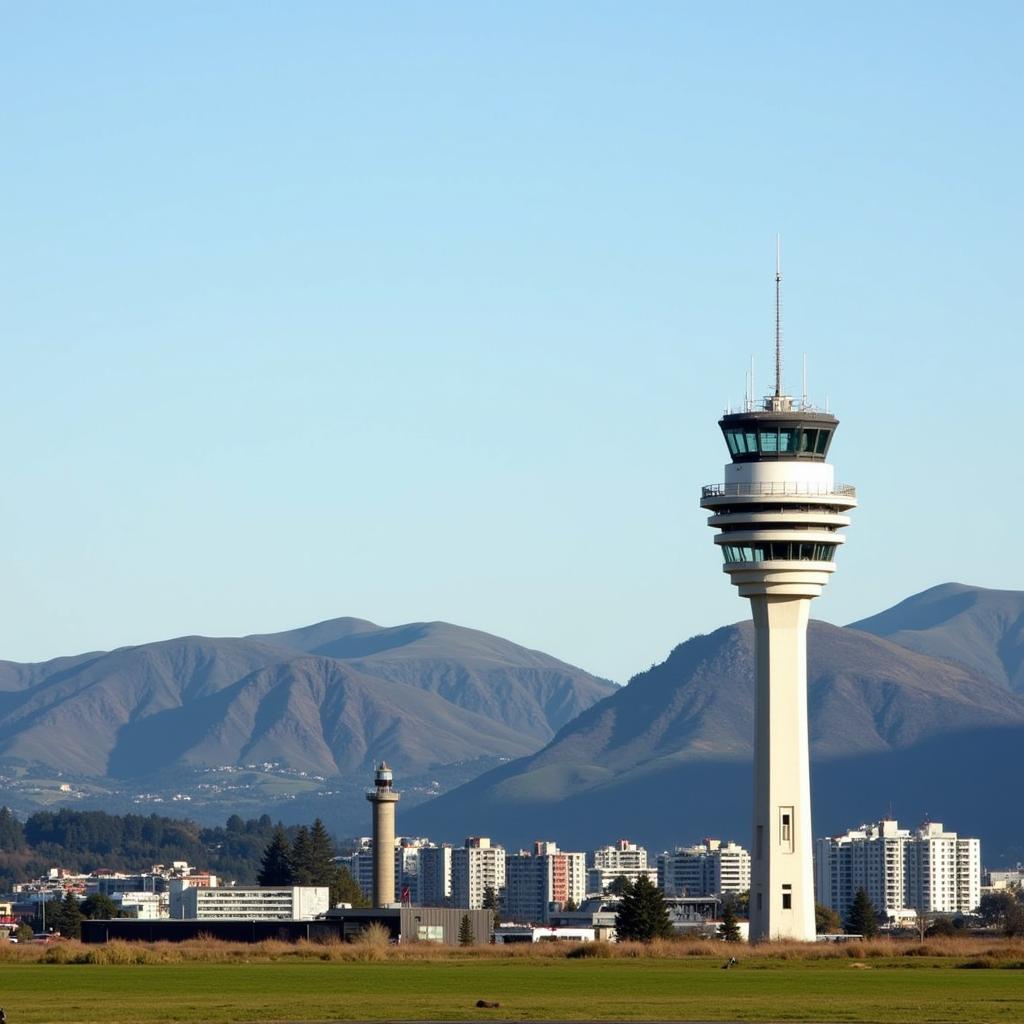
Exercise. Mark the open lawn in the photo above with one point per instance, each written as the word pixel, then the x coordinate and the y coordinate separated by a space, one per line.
pixel 921 989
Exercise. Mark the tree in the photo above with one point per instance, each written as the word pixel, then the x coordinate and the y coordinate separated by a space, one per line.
pixel 826 920
pixel 98 907
pixel 642 914
pixel 942 926
pixel 276 867
pixel 570 905
pixel 302 867
pixel 618 885
pixel 492 903
pixel 70 917
pixel 466 936
pixel 862 919
pixel 345 889
pixel 999 909
pixel 320 859
pixel 729 929
pixel 24 932
pixel 12 836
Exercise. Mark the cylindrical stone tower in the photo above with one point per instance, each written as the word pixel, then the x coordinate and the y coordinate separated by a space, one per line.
pixel 779 511
pixel 383 797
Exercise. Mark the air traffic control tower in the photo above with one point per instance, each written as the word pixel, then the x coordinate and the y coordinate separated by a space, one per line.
pixel 383 796
pixel 779 512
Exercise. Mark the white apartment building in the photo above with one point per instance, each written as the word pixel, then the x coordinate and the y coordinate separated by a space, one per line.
pixel 711 868
pixel 436 875
pixel 249 903
pixel 476 867
pixel 929 870
pixel 540 883
pixel 146 906
pixel 623 859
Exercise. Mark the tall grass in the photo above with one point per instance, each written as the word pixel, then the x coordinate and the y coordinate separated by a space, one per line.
pixel 373 945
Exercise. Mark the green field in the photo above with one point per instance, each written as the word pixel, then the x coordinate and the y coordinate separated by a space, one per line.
pixel 766 990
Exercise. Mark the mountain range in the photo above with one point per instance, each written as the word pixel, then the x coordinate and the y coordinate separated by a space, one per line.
pixel 917 710
pixel 327 699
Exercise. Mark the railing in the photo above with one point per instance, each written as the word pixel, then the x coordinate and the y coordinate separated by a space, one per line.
pixel 382 793
pixel 769 488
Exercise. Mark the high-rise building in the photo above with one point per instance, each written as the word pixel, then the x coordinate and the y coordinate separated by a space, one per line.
pixel 711 868
pixel 436 876
pixel 542 882
pixel 622 860
pixel 779 512
pixel 383 796
pixel 408 851
pixel 476 867
pixel 929 870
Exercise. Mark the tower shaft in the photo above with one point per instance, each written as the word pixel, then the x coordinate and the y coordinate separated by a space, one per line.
pixel 781 875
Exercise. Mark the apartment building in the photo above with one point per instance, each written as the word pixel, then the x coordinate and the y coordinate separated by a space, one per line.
pixel 711 868
pixel 541 882
pixel 476 867
pixel 621 860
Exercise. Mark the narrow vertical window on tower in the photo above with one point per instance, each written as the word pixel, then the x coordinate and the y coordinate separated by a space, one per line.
pixel 786 828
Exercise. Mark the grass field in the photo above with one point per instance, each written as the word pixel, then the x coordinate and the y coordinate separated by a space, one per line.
pixel 920 989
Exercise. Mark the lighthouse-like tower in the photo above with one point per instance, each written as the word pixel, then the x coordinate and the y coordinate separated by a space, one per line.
pixel 779 512
pixel 383 797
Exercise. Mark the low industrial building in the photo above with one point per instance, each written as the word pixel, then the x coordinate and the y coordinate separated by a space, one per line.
pixel 404 924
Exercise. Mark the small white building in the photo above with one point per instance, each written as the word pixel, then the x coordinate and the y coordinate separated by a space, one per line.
pixel 249 903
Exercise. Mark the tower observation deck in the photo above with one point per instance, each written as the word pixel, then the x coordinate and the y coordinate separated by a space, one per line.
pixel 779 512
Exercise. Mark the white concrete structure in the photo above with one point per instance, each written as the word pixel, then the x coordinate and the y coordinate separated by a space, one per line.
pixel 145 906
pixel 383 797
pixel 542 881
pixel 779 511
pixel 711 868
pixel 623 860
pixel 928 871
pixel 249 903
pixel 476 867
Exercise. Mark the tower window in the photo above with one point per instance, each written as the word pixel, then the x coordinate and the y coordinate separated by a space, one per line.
pixel 769 441
pixel 822 441
pixel 787 439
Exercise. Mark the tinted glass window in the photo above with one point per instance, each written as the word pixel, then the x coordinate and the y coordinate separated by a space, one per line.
pixel 769 440
pixel 822 441
pixel 807 439
pixel 731 438
pixel 787 439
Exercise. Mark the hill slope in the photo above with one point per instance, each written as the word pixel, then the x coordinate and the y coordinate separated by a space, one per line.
pixel 328 699
pixel 667 758
pixel 982 629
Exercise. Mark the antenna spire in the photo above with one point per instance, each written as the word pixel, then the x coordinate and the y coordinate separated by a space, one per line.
pixel 778 316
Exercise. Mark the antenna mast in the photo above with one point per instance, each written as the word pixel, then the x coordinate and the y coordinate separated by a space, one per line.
pixel 778 316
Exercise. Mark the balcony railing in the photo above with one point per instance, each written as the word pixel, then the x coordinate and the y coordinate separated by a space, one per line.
pixel 770 488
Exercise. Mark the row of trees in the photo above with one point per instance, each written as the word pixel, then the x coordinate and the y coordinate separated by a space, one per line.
pixel 86 840
pixel 308 859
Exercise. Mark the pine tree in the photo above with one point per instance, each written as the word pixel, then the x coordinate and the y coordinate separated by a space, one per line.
pixel 70 917
pixel 642 914
pixel 466 936
pixel 99 906
pixel 345 889
pixel 12 836
pixel 276 867
pixel 729 929
pixel 862 919
pixel 321 855
pixel 301 858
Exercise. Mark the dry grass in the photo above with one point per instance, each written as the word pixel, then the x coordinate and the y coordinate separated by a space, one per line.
pixel 373 945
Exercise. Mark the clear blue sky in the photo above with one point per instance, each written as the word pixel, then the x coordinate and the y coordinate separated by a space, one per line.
pixel 428 310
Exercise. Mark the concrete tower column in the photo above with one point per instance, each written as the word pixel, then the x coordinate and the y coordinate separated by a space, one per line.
pixel 383 797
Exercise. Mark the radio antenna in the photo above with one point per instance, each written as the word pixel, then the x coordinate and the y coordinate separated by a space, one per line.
pixel 778 316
